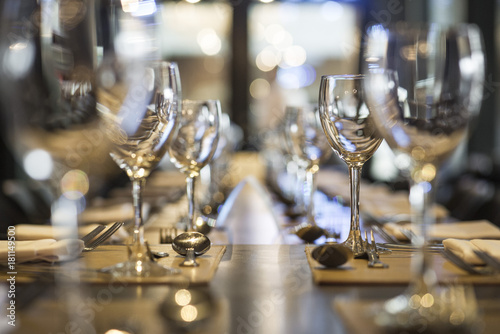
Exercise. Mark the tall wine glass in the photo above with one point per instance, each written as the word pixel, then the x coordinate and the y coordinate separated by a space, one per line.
pixel 349 127
pixel 424 84
pixel 48 52
pixel 195 144
pixel 308 145
pixel 138 96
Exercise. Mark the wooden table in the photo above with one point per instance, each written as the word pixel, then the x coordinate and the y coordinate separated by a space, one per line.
pixel 262 285
pixel 257 289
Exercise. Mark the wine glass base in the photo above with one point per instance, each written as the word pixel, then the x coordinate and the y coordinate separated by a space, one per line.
pixel 140 269
pixel 355 243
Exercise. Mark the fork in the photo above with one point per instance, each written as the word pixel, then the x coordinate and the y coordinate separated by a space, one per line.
pixel 167 235
pixel 92 234
pixel 371 251
pixel 386 236
pixel 103 237
pixel 459 262
pixel 488 259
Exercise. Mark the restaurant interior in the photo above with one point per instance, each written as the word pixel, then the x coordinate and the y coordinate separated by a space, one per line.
pixel 249 166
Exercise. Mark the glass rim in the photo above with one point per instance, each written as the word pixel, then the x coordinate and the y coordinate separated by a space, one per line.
pixel 427 26
pixel 344 76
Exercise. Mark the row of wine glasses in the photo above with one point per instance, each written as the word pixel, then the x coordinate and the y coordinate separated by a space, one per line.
pixel 92 79
pixel 140 99
pixel 421 88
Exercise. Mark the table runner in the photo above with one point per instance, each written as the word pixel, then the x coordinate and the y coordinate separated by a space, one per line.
pixel 108 255
pixel 357 272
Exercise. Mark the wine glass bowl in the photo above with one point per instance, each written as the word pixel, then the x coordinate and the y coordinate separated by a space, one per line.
pixel 424 83
pixel 140 128
pixel 350 129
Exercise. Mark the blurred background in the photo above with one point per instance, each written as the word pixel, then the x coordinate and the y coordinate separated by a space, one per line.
pixel 258 56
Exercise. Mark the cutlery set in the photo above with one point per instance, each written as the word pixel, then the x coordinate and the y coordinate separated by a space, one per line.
pixel 333 255
pixel 491 267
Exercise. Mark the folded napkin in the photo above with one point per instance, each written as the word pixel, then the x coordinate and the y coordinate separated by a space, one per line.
pixel 49 250
pixel 459 230
pixel 465 249
pixel 37 232
pixel 377 201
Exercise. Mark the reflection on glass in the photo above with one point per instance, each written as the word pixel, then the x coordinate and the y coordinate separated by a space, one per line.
pixel 424 85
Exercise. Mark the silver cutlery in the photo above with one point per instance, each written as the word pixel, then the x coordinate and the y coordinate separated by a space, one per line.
pixel 386 236
pixel 488 259
pixel 92 234
pixel 103 237
pixel 411 247
pixel 459 262
pixel 167 234
pixel 154 255
pixel 371 251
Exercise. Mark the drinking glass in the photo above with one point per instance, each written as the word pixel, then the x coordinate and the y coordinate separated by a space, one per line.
pixel 349 127
pixel 308 145
pixel 424 85
pixel 50 122
pixel 138 97
pixel 195 144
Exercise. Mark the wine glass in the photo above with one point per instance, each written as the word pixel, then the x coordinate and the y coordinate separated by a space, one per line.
pixel 138 96
pixel 424 84
pixel 49 118
pixel 349 127
pixel 308 145
pixel 195 144
pixel 140 109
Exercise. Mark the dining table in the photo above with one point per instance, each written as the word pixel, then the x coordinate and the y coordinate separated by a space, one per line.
pixel 259 279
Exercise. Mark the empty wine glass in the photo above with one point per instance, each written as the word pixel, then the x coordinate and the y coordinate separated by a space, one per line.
pixel 424 84
pixel 195 144
pixel 349 127
pixel 50 121
pixel 308 145
pixel 138 96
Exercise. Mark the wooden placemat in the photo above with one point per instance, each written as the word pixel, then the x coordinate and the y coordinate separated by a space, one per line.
pixel 356 271
pixel 108 255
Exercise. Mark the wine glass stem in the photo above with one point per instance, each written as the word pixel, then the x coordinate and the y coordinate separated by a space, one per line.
pixel 311 186
pixel 354 177
pixel 299 189
pixel 190 181
pixel 354 240
pixel 422 201
pixel 137 187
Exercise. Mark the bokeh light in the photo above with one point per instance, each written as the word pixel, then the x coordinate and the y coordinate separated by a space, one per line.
pixel 209 42
pixel 260 89
pixel 296 77
pixel 38 164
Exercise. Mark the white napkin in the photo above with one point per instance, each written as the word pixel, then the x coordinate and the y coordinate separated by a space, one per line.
pixel 460 230
pixel 49 250
pixel 37 232
pixel 465 249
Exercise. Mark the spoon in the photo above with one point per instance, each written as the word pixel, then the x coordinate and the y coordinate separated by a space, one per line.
pixel 159 254
pixel 309 232
pixel 332 255
pixel 191 244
